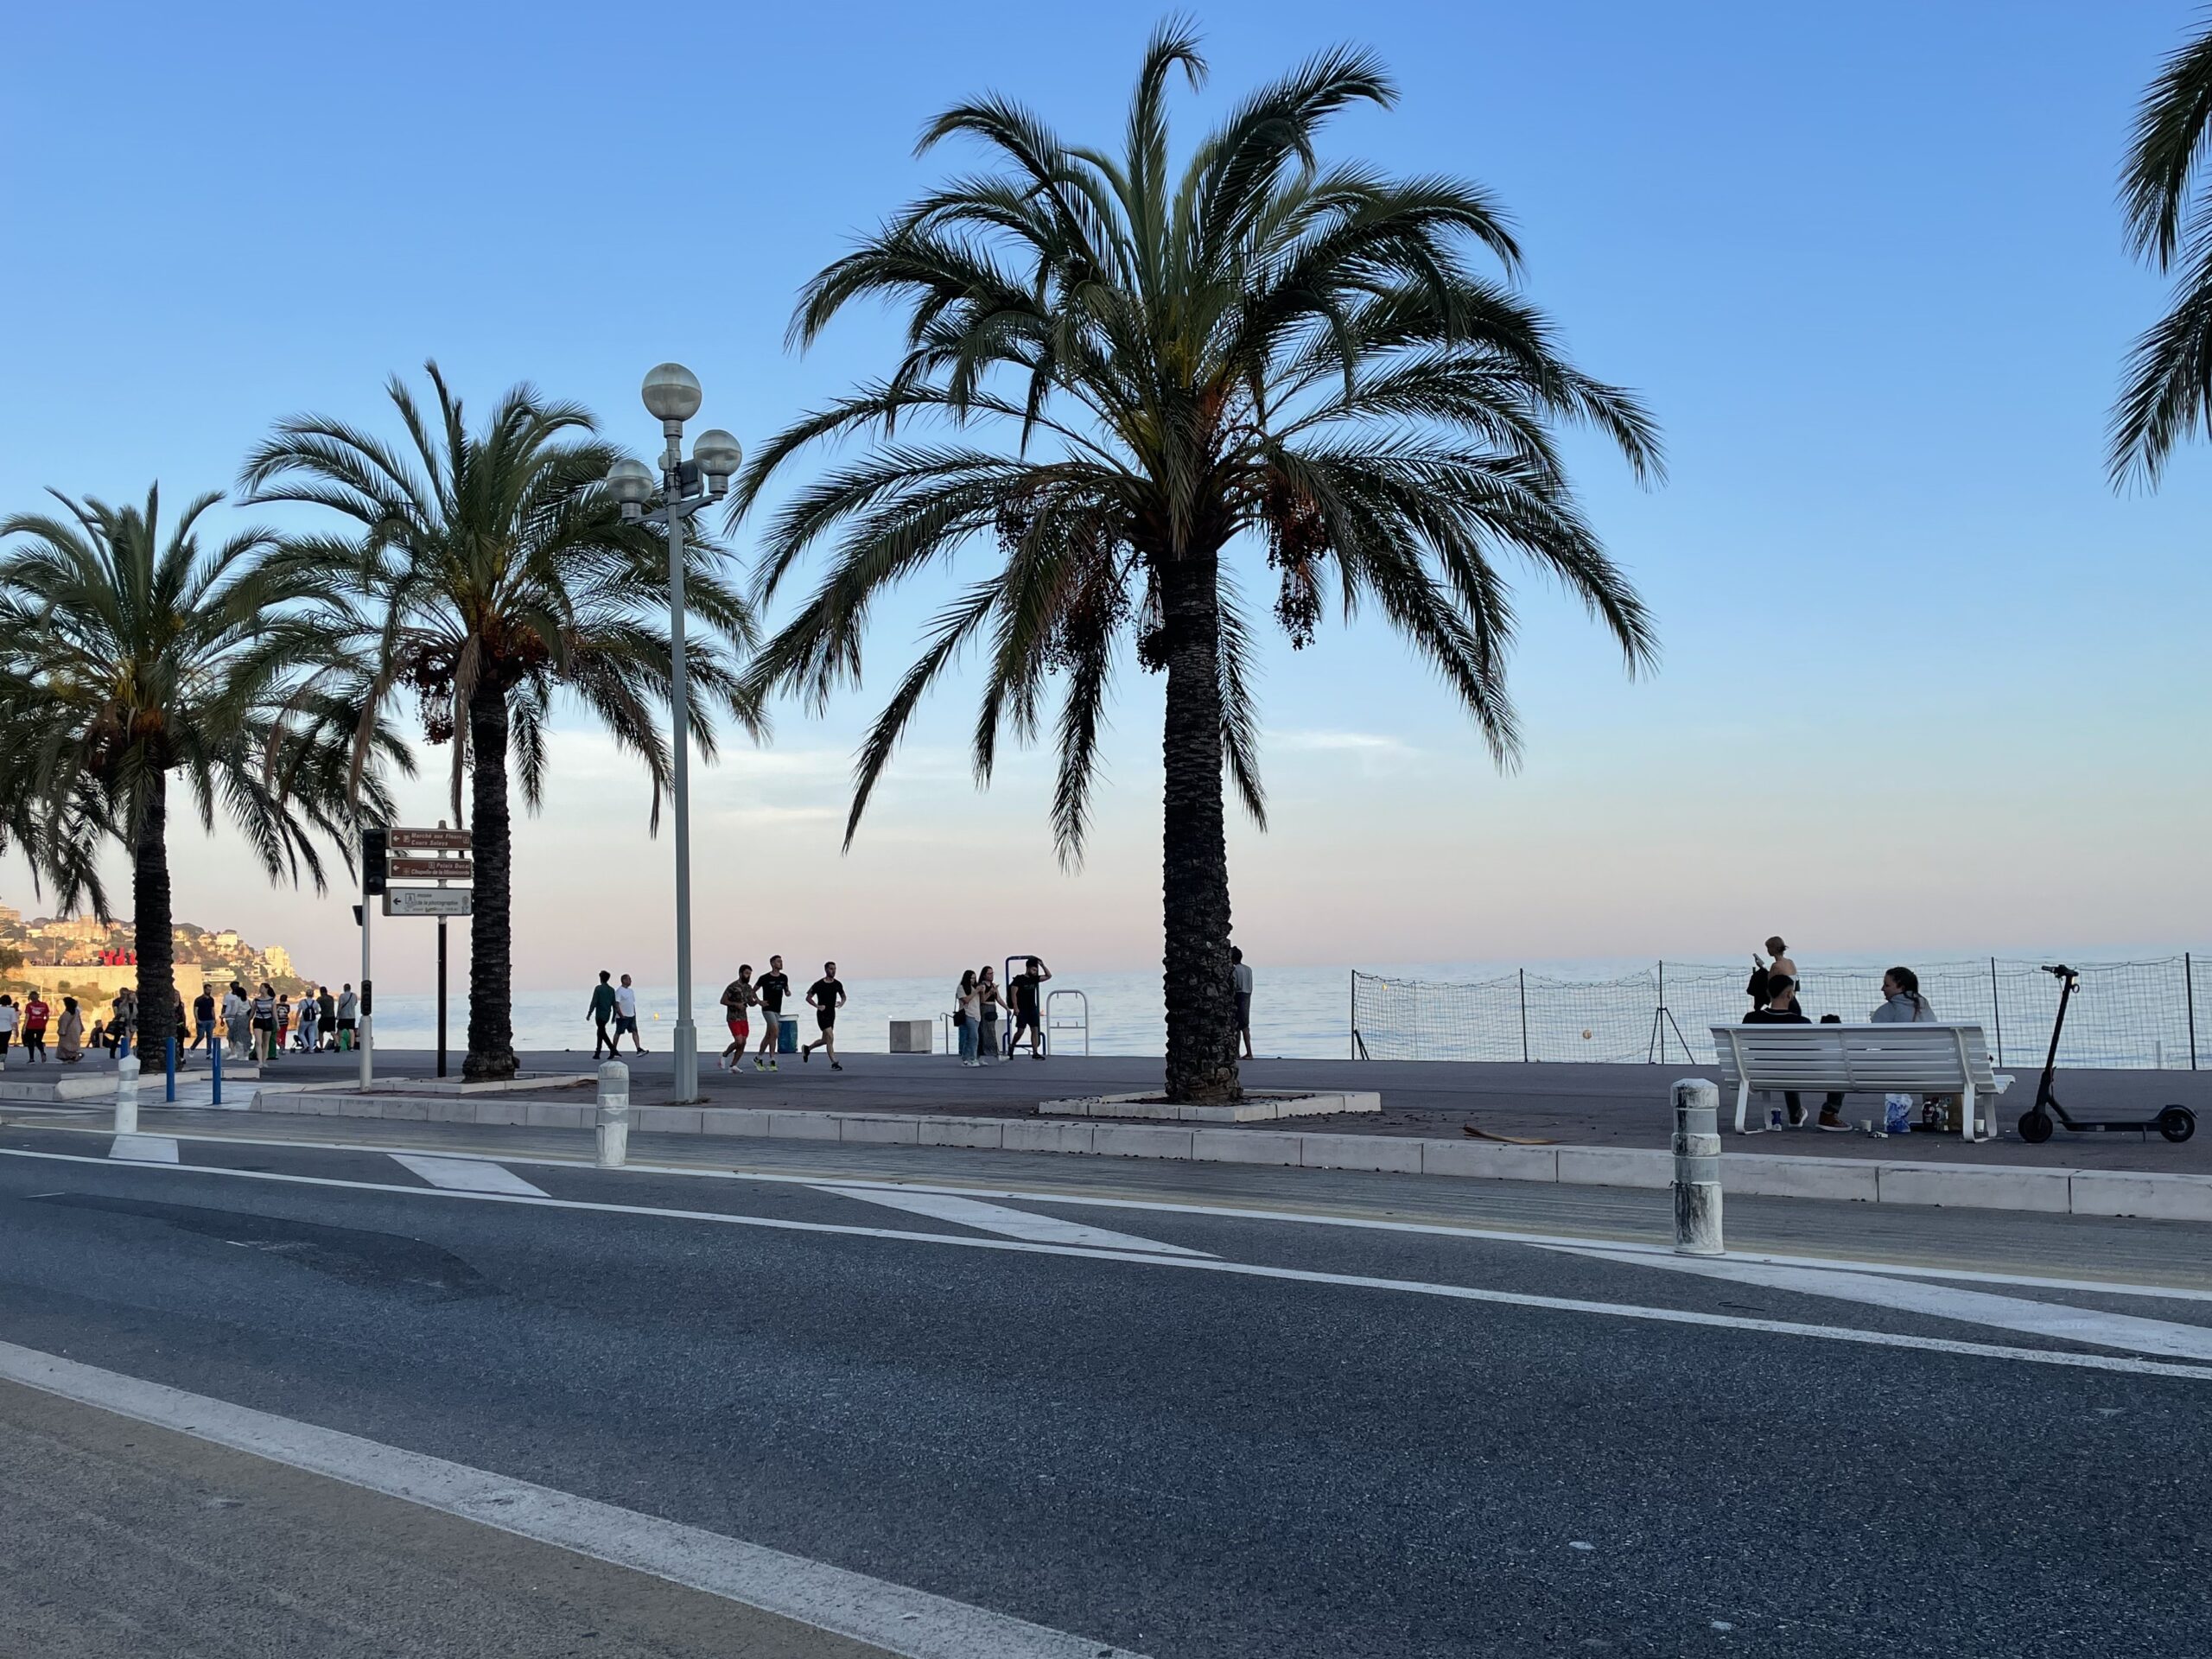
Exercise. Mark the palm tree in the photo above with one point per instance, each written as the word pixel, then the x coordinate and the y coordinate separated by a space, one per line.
pixel 128 654
pixel 1263 356
pixel 2168 391
pixel 488 571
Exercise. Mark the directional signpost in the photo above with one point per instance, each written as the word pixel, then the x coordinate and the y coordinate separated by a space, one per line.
pixel 413 854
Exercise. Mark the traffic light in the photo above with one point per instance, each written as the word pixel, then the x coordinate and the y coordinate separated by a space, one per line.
pixel 374 846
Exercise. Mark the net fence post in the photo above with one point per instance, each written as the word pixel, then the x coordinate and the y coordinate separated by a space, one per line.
pixel 2189 995
pixel 1521 974
pixel 1996 1011
pixel 1353 1038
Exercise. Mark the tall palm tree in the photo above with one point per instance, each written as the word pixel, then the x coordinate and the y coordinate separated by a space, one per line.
pixel 1262 358
pixel 489 570
pixel 129 654
pixel 2168 390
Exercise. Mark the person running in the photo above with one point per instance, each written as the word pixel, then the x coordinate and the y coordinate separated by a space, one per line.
pixel 967 1017
pixel 11 1018
pixel 1028 1010
pixel 35 1014
pixel 826 996
pixel 1240 977
pixel 738 996
pixel 601 1010
pixel 326 1022
pixel 987 1037
pixel 774 986
pixel 70 1033
pixel 349 1018
pixel 625 1015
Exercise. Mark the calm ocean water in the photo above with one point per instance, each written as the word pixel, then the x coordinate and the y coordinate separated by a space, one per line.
pixel 2130 1014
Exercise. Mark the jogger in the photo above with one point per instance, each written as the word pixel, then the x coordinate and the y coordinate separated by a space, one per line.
pixel 826 996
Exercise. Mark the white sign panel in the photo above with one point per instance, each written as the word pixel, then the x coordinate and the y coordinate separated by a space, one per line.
pixel 427 901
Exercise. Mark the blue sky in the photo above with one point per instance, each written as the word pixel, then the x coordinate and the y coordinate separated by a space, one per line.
pixel 1928 685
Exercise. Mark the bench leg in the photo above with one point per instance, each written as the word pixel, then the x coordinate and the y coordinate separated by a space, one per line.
pixel 1965 1113
pixel 1742 1104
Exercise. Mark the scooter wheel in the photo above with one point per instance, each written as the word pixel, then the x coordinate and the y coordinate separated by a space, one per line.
pixel 2034 1128
pixel 2176 1123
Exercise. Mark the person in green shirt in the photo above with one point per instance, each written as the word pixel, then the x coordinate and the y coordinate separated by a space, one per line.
pixel 602 1010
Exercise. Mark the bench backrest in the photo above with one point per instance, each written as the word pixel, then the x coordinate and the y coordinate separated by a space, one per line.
pixel 1868 1059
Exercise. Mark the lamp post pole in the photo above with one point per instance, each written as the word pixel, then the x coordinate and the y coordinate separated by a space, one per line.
pixel 671 394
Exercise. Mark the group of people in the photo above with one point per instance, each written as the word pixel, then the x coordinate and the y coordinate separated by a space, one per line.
pixel 768 994
pixel 979 1003
pixel 1773 990
pixel 256 1027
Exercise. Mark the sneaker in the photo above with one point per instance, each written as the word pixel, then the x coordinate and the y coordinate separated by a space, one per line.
pixel 1834 1124
pixel 836 1065
pixel 804 1055
pixel 760 1064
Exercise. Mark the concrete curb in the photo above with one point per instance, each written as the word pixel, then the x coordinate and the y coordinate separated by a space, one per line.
pixel 1974 1186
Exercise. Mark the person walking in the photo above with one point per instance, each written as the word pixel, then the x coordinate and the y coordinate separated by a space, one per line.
pixel 986 1032
pixel 326 1022
pixel 737 999
pixel 774 986
pixel 826 996
pixel 35 1014
pixel 238 1016
pixel 349 1018
pixel 601 1010
pixel 1240 977
pixel 625 1015
pixel 11 1018
pixel 69 1033
pixel 263 1019
pixel 203 1016
pixel 1028 1008
pixel 280 1030
pixel 967 1012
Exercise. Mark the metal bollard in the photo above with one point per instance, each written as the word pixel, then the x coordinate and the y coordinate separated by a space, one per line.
pixel 215 1066
pixel 614 1117
pixel 1697 1168
pixel 126 1094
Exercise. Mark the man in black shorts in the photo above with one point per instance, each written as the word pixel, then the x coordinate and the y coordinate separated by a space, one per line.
pixel 826 996
pixel 1027 1007
pixel 774 986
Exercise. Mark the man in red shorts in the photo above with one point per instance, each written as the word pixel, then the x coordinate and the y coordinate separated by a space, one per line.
pixel 738 996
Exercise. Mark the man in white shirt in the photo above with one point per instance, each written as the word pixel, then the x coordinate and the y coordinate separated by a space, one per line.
pixel 1242 976
pixel 625 1015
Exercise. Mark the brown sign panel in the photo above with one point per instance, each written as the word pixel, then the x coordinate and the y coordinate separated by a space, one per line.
pixel 443 840
pixel 431 869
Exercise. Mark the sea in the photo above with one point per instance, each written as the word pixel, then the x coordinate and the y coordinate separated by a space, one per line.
pixel 2141 1010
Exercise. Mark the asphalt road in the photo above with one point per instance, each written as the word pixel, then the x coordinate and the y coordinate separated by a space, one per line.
pixel 1159 1420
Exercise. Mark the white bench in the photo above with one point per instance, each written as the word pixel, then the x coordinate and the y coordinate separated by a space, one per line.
pixel 1926 1059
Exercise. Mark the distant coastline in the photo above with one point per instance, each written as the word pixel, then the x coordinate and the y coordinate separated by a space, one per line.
pixel 87 958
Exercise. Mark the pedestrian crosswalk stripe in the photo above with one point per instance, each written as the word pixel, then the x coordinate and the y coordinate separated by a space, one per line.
pixel 1015 1223
pixel 144 1149
pixel 465 1174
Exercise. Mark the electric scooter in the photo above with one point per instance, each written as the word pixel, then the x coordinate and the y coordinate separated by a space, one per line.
pixel 2175 1122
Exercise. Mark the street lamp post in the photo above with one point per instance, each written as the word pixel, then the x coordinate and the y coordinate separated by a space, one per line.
pixel 673 396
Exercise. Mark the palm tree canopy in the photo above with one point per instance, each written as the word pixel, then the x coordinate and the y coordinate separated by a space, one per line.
pixel 1262 349
pixel 131 652
pixel 2167 392
pixel 495 557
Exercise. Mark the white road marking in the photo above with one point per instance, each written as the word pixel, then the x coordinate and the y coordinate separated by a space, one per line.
pixel 1943 1302
pixel 465 1174
pixel 996 1218
pixel 1208 1264
pixel 144 1149
pixel 1238 1212
pixel 893 1616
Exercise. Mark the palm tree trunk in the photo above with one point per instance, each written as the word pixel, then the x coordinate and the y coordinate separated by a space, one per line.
pixel 491 936
pixel 1194 864
pixel 151 927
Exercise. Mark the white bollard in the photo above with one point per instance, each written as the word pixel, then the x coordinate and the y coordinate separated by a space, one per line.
pixel 126 1094
pixel 613 1115
pixel 1697 1168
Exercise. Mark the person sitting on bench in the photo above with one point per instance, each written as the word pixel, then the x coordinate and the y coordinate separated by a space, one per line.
pixel 1781 1009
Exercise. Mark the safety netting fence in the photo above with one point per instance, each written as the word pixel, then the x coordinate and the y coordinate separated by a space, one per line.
pixel 2124 1013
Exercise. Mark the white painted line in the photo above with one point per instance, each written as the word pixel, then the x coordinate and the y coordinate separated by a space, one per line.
pixel 1943 1302
pixel 1208 1264
pixel 996 1218
pixel 465 1174
pixel 905 1621
pixel 1239 1212
pixel 144 1149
